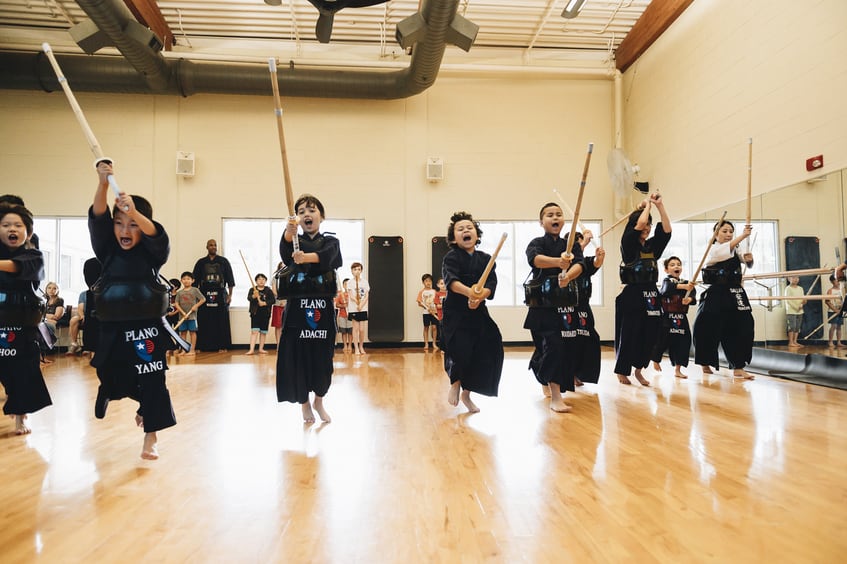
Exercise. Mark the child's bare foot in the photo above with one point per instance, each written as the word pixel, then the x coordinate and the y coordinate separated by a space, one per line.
pixel 545 390
pixel 319 407
pixel 149 451
pixel 453 393
pixel 741 373
pixel 248 353
pixel 20 425
pixel 679 374
pixel 466 399
pixel 623 379
pixel 706 369
pixel 263 351
pixel 559 406
pixel 657 367
pixel 308 414
pixel 577 382
pixel 641 380
pixel 139 421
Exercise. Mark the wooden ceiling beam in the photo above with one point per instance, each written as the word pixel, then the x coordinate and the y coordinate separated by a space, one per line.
pixel 147 12
pixel 657 17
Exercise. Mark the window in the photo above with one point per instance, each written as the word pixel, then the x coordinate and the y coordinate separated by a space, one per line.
pixel 66 245
pixel 258 241
pixel 512 267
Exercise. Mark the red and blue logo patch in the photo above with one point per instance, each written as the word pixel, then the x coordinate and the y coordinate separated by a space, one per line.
pixel 7 338
pixel 144 349
pixel 313 317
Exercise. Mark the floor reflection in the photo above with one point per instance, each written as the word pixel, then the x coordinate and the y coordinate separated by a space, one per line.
pixel 706 466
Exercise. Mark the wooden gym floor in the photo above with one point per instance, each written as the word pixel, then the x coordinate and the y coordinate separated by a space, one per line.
pixel 684 471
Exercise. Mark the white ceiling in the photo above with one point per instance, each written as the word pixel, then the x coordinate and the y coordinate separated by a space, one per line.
pixel 511 32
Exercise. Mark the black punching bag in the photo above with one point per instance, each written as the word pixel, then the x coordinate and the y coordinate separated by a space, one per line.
pixel 385 275
pixel 439 249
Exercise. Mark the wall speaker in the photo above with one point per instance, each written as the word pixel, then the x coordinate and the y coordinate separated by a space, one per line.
pixel 434 169
pixel 184 163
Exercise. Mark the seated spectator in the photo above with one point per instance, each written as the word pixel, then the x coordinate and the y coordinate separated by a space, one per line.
pixel 55 311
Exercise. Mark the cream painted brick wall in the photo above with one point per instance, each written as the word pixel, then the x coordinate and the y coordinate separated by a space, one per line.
pixel 726 71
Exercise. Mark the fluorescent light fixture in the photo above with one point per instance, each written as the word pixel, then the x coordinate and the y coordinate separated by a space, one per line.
pixel 572 9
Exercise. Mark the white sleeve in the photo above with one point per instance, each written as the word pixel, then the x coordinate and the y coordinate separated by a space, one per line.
pixel 719 253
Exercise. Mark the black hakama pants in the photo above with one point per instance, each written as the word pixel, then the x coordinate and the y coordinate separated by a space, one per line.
pixel 724 317
pixel 20 371
pixel 675 337
pixel 306 348
pixel 213 328
pixel 638 318
pixel 473 354
pixel 131 363
pixel 548 358
pixel 582 344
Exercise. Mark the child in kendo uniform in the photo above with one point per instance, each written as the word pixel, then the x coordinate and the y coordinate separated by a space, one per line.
pixel 133 341
pixel 725 316
pixel 306 347
pixel 582 342
pixel 675 334
pixel 21 310
pixel 638 313
pixel 547 256
pixel 473 346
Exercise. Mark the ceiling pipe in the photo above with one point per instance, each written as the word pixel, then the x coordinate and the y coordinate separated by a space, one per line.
pixel 32 71
pixel 115 21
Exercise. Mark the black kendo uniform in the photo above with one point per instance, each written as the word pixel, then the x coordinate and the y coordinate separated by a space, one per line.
pixel 637 308
pixel 544 319
pixel 307 343
pixel 213 277
pixel 91 271
pixel 21 311
pixel 724 317
pixel 131 350
pixel 473 346
pixel 582 342
pixel 675 334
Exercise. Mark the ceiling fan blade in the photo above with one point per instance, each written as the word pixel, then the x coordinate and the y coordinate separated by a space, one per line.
pixel 323 29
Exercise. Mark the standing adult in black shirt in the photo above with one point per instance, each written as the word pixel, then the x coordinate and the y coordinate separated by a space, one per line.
pixel 213 275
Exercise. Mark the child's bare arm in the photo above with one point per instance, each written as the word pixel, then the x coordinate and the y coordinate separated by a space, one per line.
pixel 8 265
pixel 101 204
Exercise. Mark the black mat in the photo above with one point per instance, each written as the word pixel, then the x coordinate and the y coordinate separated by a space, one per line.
pixel 818 369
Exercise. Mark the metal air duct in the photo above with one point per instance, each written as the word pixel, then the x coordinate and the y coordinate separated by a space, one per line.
pixel 144 71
